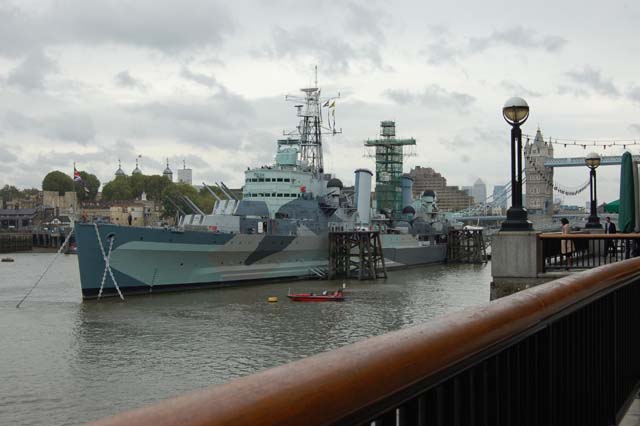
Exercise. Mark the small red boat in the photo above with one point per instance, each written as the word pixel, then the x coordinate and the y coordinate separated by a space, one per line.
pixel 336 296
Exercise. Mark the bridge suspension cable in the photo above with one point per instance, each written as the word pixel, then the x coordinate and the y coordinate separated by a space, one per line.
pixel 556 186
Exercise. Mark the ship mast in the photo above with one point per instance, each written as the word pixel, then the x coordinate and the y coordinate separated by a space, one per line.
pixel 310 129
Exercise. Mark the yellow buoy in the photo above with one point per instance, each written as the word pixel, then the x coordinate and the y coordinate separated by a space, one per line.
pixel 272 299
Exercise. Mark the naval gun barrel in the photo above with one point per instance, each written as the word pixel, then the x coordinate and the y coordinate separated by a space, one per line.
pixel 211 191
pixel 224 192
pixel 193 205
pixel 226 188
pixel 173 203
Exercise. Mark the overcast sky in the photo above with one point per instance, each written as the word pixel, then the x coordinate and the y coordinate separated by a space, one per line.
pixel 204 81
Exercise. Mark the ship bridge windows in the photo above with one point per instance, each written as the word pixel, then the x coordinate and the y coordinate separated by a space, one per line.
pixel 273 195
pixel 279 180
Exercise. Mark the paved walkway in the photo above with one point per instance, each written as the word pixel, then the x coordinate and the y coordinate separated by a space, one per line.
pixel 632 418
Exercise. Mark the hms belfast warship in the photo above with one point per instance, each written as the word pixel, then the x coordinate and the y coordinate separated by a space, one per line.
pixel 278 230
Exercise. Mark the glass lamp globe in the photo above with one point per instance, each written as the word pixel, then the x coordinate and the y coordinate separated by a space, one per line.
pixel 592 160
pixel 515 110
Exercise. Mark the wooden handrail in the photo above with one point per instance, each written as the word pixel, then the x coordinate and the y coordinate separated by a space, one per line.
pixel 322 389
pixel 560 236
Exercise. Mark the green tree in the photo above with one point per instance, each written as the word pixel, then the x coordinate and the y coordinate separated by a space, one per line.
pixel 175 192
pixel 9 192
pixel 89 181
pixel 117 190
pixel 155 185
pixel 137 184
pixel 29 192
pixel 57 181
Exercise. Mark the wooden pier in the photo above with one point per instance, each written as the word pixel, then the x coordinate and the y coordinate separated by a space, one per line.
pixel 50 238
pixel 467 245
pixel 12 242
pixel 356 254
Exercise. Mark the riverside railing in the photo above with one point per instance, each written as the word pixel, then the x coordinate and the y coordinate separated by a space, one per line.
pixel 565 352
pixel 585 251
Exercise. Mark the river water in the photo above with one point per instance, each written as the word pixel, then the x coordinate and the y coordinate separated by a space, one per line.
pixel 64 361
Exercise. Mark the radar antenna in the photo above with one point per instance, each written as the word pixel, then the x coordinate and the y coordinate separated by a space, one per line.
pixel 308 133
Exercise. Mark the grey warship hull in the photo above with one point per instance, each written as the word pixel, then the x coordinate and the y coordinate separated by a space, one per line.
pixel 150 260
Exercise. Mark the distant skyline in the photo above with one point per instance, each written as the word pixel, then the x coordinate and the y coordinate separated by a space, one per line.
pixel 204 81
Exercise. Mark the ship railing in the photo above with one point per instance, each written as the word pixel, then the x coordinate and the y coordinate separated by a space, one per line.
pixel 585 251
pixel 565 352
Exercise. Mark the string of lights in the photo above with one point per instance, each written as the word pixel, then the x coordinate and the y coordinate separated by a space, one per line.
pixel 584 143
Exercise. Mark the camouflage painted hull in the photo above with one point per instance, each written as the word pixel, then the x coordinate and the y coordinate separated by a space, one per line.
pixel 149 260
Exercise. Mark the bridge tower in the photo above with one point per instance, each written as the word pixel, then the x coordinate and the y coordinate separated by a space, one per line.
pixel 539 184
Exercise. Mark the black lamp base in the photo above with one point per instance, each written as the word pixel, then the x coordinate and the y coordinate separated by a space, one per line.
pixel 516 220
pixel 593 223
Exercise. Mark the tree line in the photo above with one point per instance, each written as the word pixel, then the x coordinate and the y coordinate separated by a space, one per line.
pixel 125 188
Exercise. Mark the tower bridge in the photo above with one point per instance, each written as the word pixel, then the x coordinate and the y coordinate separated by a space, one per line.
pixel 539 179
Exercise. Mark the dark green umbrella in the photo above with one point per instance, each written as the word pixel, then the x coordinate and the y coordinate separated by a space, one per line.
pixel 627 209
pixel 612 207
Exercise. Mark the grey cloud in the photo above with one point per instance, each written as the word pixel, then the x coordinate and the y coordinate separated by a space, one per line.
pixel 125 79
pixel 633 94
pixel 592 79
pixel 6 156
pixel 190 160
pixel 14 40
pixel 219 120
pixel 440 49
pixel 31 73
pixel 364 20
pixel 570 90
pixel 335 54
pixel 169 27
pixel 518 89
pixel 66 126
pixel 473 138
pixel 166 26
pixel 518 37
pixel 203 79
pixel 635 127
pixel 443 48
pixel 433 96
pixel 441 52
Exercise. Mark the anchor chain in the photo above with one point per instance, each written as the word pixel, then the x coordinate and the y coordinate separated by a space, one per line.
pixel 64 244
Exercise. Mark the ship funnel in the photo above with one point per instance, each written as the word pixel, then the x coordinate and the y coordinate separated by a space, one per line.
pixel 363 194
pixel 407 188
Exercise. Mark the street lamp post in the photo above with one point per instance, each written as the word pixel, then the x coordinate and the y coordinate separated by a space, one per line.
pixel 516 112
pixel 592 160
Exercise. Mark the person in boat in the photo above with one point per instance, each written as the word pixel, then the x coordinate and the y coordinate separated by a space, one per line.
pixel 324 292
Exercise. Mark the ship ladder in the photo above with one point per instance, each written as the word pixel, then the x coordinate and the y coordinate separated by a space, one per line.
pixel 107 267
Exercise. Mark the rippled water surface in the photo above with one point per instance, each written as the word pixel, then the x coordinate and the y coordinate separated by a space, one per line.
pixel 67 362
